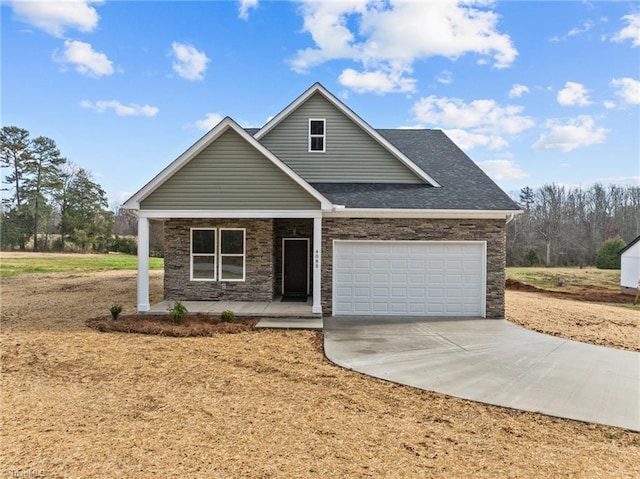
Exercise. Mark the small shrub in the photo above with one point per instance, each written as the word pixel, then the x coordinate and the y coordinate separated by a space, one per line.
pixel 177 312
pixel 228 316
pixel 608 256
pixel 124 245
pixel 531 258
pixel 115 310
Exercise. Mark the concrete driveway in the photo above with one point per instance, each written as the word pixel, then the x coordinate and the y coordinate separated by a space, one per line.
pixel 494 362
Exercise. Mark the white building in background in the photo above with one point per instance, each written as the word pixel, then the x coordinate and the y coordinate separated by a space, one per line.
pixel 630 267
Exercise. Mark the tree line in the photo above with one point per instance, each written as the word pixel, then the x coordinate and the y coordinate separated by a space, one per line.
pixel 51 204
pixel 565 226
pixel 46 196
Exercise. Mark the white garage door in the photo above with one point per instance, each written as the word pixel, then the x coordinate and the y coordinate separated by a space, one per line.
pixel 409 278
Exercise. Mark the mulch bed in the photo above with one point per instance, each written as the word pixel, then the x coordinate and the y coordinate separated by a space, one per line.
pixel 582 294
pixel 161 325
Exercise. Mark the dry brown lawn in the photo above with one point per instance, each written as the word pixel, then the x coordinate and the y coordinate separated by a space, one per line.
pixel 78 403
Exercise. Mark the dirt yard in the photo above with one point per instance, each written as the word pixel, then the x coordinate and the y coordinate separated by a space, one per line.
pixel 78 403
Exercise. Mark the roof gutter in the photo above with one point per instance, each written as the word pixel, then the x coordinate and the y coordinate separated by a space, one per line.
pixel 340 211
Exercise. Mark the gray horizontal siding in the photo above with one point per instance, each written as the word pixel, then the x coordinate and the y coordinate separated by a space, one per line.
pixel 230 175
pixel 351 156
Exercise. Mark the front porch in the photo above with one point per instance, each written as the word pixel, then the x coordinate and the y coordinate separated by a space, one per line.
pixel 278 255
pixel 275 308
pixel 274 314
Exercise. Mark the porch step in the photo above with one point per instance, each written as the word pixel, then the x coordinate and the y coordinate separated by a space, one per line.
pixel 314 323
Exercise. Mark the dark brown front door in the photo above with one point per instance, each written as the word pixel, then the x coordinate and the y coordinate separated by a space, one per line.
pixel 295 267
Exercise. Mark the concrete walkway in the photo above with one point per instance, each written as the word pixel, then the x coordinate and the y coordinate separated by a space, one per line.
pixel 494 362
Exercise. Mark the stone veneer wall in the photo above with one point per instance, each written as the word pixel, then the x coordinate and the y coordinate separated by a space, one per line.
pixel 491 231
pixel 259 277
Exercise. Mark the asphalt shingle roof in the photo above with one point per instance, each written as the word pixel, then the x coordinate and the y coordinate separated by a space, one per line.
pixel 464 186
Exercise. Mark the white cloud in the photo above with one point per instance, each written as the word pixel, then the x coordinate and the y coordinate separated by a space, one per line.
pixel 189 63
pixel 245 6
pixel 118 197
pixel 120 109
pixel 376 81
pixel 209 121
pixel 573 94
pixel 55 17
pixel 586 26
pixel 518 90
pixel 468 141
pixel 390 36
pixel 500 170
pixel 628 89
pixel 85 59
pixel 445 77
pixel 620 180
pixel 577 132
pixel 478 123
pixel 631 31
pixel 483 116
pixel 609 105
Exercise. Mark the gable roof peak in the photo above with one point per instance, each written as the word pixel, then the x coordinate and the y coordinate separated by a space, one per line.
pixel 207 139
pixel 317 87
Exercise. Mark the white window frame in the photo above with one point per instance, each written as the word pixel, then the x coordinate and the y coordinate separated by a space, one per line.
pixel 214 254
pixel 323 135
pixel 243 255
pixel 218 255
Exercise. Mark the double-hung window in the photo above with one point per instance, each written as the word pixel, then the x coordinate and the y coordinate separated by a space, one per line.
pixel 203 254
pixel 217 254
pixel 232 254
pixel 317 135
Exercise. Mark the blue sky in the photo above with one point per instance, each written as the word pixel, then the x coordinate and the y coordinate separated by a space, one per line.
pixel 534 92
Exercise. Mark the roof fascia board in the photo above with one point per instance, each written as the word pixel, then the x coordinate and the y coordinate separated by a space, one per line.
pixel 318 88
pixel 167 214
pixel 201 144
pixel 630 245
pixel 415 213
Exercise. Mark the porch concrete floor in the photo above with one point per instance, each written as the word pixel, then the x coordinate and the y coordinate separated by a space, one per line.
pixel 273 309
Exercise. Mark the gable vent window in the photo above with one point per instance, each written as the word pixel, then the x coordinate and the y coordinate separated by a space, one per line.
pixel 317 135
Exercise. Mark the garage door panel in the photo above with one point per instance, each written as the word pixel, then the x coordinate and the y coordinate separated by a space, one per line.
pixel 399 308
pixel 435 264
pixel 418 308
pixel 381 278
pixel 360 292
pixel 380 263
pixel 399 293
pixel 417 293
pixel 362 263
pixel 380 308
pixel 399 278
pixel 418 264
pixel 409 278
pixel 380 292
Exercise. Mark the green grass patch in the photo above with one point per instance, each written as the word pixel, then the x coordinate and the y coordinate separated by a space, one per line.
pixel 15 264
pixel 574 278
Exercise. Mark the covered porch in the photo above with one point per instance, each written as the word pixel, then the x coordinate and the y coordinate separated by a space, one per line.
pixel 258 290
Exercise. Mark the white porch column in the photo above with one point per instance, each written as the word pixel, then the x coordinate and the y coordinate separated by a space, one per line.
pixel 317 265
pixel 143 264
